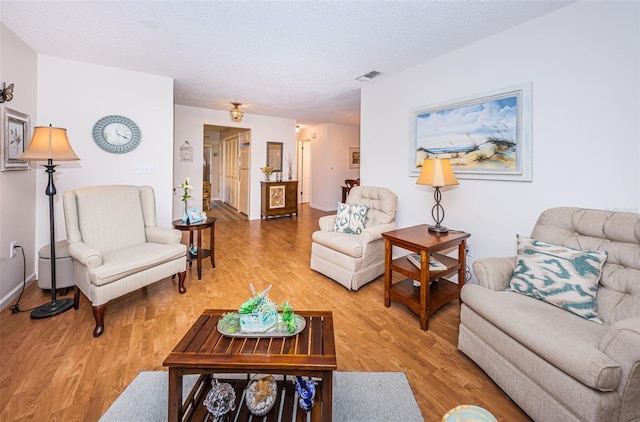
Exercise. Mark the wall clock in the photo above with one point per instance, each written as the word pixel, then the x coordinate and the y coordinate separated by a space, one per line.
pixel 116 134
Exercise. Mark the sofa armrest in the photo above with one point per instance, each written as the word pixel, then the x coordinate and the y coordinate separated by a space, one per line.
pixel 370 234
pixel 494 273
pixel 622 344
pixel 85 254
pixel 163 235
pixel 327 222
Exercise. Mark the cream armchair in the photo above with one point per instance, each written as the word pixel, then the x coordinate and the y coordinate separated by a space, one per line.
pixel 116 246
pixel 353 260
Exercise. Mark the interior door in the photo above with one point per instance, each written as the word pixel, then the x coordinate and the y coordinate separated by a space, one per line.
pixel 304 171
pixel 245 174
pixel 230 151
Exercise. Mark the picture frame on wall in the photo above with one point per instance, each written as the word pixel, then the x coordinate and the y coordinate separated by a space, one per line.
pixel 485 136
pixel 354 158
pixel 16 136
pixel 274 156
pixel 194 215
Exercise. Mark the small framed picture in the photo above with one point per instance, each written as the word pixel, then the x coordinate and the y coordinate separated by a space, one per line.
pixel 16 133
pixel 354 158
pixel 194 215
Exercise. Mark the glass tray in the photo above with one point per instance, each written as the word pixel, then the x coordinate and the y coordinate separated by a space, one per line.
pixel 280 330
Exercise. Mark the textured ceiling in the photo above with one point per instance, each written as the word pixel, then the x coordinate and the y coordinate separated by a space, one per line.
pixel 293 59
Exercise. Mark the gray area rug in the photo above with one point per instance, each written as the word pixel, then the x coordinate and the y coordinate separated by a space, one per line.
pixel 357 396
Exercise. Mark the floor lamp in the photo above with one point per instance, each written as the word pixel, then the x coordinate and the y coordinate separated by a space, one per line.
pixel 48 144
pixel 437 172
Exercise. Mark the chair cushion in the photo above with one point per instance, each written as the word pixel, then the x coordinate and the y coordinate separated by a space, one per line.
pixel 564 277
pixel 350 218
pixel 381 201
pixel 123 262
pixel 348 244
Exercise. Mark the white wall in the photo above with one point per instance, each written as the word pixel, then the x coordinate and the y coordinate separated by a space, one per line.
pixel 189 126
pixel 584 64
pixel 75 95
pixel 330 145
pixel 18 65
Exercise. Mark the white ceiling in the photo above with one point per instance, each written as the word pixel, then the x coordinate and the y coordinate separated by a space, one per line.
pixel 291 59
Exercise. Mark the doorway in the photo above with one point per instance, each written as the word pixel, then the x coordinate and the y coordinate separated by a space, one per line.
pixel 304 171
pixel 227 154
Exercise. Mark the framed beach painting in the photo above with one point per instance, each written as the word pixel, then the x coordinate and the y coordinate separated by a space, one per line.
pixel 486 136
pixel 16 135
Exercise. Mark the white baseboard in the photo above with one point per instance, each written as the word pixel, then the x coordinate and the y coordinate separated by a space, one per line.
pixel 13 294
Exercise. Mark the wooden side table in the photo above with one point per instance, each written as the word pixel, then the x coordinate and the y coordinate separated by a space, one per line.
pixel 210 222
pixel 434 290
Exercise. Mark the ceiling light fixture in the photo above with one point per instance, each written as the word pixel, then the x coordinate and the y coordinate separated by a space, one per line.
pixel 235 113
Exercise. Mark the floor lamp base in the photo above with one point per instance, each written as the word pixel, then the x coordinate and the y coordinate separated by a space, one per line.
pixel 52 309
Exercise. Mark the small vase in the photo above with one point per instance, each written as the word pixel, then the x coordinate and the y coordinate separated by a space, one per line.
pixel 267 177
pixel 290 175
pixel 185 217
pixel 306 392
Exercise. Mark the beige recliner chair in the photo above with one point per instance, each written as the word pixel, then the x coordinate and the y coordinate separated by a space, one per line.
pixel 116 246
pixel 353 260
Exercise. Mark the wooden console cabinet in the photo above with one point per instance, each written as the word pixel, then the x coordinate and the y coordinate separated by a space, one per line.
pixel 279 198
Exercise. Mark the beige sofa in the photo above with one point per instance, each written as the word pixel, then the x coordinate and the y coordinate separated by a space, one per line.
pixel 116 245
pixel 354 260
pixel 555 365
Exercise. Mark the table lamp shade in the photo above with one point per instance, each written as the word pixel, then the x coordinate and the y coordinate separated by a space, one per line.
pixel 437 172
pixel 49 143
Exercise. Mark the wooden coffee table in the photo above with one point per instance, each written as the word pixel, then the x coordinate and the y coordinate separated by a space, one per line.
pixel 203 350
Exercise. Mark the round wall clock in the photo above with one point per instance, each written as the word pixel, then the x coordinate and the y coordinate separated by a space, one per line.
pixel 116 134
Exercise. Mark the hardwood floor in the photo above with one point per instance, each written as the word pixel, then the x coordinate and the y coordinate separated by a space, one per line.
pixel 53 369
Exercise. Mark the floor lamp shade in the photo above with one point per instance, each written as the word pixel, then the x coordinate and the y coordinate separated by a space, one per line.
pixel 437 172
pixel 47 144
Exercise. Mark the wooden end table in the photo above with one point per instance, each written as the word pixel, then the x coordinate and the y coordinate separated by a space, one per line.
pixel 210 222
pixel 434 290
pixel 203 350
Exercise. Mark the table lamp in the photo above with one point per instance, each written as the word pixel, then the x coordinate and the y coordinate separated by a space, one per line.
pixel 437 172
pixel 48 144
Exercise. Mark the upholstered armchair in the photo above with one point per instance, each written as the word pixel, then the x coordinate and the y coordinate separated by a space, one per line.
pixel 354 257
pixel 116 246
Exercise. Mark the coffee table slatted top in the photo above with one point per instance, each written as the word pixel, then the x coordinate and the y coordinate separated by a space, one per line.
pixel 204 347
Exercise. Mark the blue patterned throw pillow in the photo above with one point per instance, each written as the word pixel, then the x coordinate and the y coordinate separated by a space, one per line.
pixel 564 277
pixel 350 218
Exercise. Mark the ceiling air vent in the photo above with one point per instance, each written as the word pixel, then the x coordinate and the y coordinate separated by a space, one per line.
pixel 368 76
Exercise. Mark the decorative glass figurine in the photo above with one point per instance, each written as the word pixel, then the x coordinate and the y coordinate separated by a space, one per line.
pixel 307 392
pixel 220 400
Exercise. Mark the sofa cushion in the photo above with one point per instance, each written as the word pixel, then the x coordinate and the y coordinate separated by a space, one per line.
pixel 350 218
pixel 564 277
pixel 563 339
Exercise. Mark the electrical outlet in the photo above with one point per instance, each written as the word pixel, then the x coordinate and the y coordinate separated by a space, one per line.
pixel 12 252
pixel 469 249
